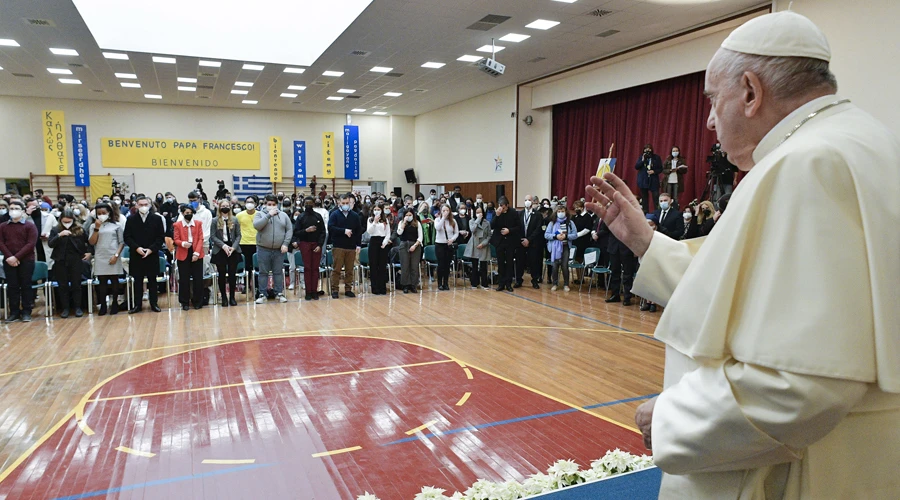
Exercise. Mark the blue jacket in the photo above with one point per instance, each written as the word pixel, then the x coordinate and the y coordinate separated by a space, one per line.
pixel 644 179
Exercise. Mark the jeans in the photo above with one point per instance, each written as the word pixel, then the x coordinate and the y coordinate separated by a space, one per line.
pixel 563 263
pixel 270 261
pixel 18 286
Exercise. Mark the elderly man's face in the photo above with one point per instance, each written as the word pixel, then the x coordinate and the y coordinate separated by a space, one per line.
pixel 728 118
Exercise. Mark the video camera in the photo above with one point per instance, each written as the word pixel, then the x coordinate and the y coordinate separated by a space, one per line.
pixel 718 162
pixel 221 193
pixel 199 182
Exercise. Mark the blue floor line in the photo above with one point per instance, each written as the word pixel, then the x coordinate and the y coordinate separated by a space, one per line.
pixel 518 419
pixel 162 481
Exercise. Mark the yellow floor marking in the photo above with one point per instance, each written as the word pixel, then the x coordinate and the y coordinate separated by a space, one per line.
pixel 463 400
pixel 84 428
pixel 421 427
pixel 214 461
pixel 460 363
pixel 271 381
pixel 468 373
pixel 38 443
pixel 336 452
pixel 136 452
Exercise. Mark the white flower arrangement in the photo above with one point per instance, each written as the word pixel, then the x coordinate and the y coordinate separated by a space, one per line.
pixel 561 474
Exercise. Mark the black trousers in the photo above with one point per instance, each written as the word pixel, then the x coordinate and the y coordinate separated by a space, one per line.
pixel 505 264
pixel 622 267
pixel 443 252
pixel 378 260
pixel 479 273
pixel 67 272
pixel 140 267
pixel 645 199
pixel 188 271
pixel 529 258
pixel 248 251
pixel 105 283
pixel 227 268
pixel 18 286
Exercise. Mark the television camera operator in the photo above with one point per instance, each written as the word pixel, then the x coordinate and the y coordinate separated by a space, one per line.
pixel 721 173
pixel 649 166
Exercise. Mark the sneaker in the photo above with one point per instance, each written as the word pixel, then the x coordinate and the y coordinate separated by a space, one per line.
pixel 78 312
pixel 261 300
pixel 281 298
pixel 12 318
pixel 291 286
pixel 554 288
pixel 65 313
pixel 26 317
pixel 474 288
pixel 565 288
pixel 485 287
pixel 334 295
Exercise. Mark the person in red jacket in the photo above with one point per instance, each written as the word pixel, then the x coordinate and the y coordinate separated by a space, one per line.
pixel 17 240
pixel 188 236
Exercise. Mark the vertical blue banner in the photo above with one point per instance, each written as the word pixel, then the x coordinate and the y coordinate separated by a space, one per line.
pixel 80 155
pixel 299 163
pixel 351 152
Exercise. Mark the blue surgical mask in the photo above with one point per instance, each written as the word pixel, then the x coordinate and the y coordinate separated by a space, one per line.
pixel 345 208
pixel 195 204
pixel 664 205
pixel 561 215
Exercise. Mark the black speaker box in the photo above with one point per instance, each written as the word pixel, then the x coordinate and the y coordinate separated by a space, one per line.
pixel 410 176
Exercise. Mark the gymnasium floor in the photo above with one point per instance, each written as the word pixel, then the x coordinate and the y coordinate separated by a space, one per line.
pixel 321 400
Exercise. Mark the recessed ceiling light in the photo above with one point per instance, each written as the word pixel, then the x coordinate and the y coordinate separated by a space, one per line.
pixel 296 87
pixel 488 48
pixel 433 65
pixel 358 110
pixel 184 79
pixel 153 96
pixel 187 89
pixel 64 52
pixel 468 58
pixel 57 71
pixel 294 70
pixel 393 94
pixel 71 81
pixel 8 42
pixel 334 98
pixel 381 69
pixel 239 92
pixel 253 67
pixel 333 73
pixel 210 64
pixel 164 60
pixel 566 1
pixel 288 94
pixel 115 55
pixel 245 101
pixel 126 76
pixel 379 113
pixel 243 84
pixel 346 91
pixel 514 37
pixel 131 85
pixel 542 24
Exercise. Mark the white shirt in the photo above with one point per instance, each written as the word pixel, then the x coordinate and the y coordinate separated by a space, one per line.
pixel 445 232
pixel 378 229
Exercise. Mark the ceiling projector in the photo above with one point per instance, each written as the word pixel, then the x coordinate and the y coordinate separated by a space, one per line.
pixel 491 67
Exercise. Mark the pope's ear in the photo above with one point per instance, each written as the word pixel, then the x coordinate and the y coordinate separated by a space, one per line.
pixel 751 92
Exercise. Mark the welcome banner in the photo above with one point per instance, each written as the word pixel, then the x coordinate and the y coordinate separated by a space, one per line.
pixel 55 160
pixel 117 152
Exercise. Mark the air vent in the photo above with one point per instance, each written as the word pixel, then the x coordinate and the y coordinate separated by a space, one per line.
pixel 537 59
pixel 488 22
pixel 599 13
pixel 202 97
pixel 296 102
pixel 321 84
pixel 99 90
pixel 360 53
pixel 41 22
pixel 394 75
pixel 205 87
pixel 203 73
pixel 23 75
pixel 419 90
pixel 607 33
pixel 76 65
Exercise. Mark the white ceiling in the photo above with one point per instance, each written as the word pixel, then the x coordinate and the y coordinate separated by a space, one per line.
pixel 401 34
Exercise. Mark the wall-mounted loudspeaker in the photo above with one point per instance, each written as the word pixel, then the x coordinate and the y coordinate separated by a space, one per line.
pixel 410 176
pixel 398 192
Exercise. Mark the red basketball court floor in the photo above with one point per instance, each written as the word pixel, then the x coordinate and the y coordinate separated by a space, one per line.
pixel 307 417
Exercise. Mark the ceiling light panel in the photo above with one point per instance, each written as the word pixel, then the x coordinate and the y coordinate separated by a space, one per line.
pixel 184 79
pixel 358 110
pixel 131 85
pixel 542 24
pixel 210 64
pixel 64 52
pixel 187 89
pixel 393 94
pixel 163 60
pixel 126 76
pixel 288 94
pixel 379 113
pixel 346 91
pixel 296 87
pixel 8 42
pixel 70 81
pixel 249 102
pixel 489 48
pixel 433 65
pixel 240 92
pixel 334 98
pixel 115 55
pixel 253 67
pixel 59 71
pixel 468 58
pixel 514 37
pixel 381 69
pixel 153 96
pixel 198 30
pixel 294 70
pixel 243 84
pixel 335 74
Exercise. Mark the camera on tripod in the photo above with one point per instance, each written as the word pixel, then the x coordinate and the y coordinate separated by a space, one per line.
pixel 718 161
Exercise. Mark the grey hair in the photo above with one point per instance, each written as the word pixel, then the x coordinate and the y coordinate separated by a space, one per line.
pixel 784 77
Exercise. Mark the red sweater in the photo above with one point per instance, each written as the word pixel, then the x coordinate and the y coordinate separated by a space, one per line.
pixel 18 239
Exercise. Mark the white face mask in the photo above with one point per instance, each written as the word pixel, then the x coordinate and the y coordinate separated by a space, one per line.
pixel 687 216
pixel 462 212
pixel 3 211
pixel 409 218
pixel 377 213
pixel 477 200
pixel 144 210
pixel 674 154
pixel 251 205
pixel 55 212
pixel 103 217
pixel 67 225
pixel 15 214
pixel 527 203
pixel 116 201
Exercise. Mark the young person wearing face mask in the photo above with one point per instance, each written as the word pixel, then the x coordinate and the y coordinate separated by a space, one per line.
pixel 691 228
pixel 673 172
pixel 225 247
pixel 446 233
pixel 506 236
pixel 169 208
pixel 489 211
pixel 584 222
pixel 204 216
pixel 463 216
pixel 409 234
pixel 18 237
pixel 106 236
pixel 248 234
pixel 145 236
pixel 478 250
pixel 273 237
pixel 4 211
pixel 530 250
pixel 69 244
pixel 649 166
pixel 379 228
pixel 188 235
pixel 670 221
pixel 309 239
pixel 560 234
pixel 345 231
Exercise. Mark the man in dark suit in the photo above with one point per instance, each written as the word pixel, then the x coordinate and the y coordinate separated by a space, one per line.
pixel 649 166
pixel 505 238
pixel 145 235
pixel 622 266
pixel 670 221
pixel 456 199
pixel 531 248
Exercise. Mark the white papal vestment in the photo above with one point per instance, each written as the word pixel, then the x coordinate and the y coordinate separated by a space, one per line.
pixel 782 327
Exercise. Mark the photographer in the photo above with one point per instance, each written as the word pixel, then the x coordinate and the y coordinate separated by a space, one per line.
pixel 200 190
pixel 221 193
pixel 721 172
pixel 649 166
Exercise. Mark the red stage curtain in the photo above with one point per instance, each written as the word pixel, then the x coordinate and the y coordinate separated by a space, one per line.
pixel 665 114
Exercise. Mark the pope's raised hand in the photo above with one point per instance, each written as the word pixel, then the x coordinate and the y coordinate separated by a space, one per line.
pixel 611 199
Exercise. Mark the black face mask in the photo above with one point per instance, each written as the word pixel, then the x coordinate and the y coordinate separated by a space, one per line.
pixel 188 217
pixel 225 210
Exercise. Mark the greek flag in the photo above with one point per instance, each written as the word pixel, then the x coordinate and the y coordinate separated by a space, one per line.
pixel 245 186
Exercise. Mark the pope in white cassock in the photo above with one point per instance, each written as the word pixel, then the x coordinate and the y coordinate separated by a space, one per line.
pixel 782 327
